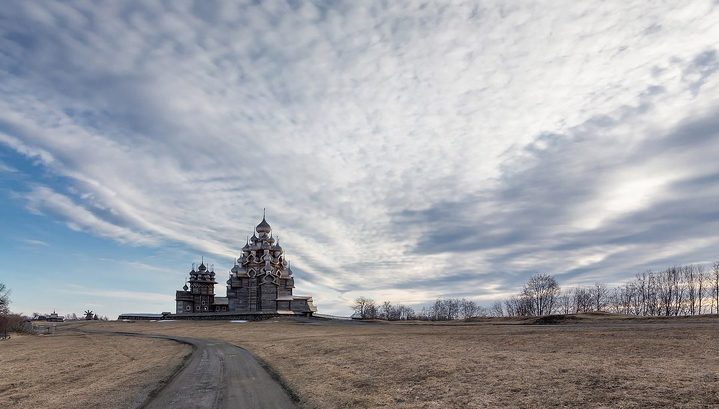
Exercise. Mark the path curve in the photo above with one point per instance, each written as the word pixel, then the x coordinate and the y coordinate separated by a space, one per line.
pixel 217 375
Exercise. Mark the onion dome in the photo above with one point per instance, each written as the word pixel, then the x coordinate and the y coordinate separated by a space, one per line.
pixel 184 287
pixel 202 267
pixel 263 227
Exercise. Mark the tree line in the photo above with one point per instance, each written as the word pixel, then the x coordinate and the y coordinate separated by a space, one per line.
pixel 679 290
pixel 441 310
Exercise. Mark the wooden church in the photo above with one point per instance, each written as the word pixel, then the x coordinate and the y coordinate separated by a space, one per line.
pixel 260 284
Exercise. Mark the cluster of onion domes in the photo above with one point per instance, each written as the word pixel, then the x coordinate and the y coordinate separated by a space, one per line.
pixel 202 274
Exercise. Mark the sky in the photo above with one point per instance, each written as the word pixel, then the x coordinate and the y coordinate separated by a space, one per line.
pixel 404 151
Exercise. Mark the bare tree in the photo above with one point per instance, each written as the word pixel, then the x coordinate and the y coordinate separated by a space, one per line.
pixel 690 277
pixel 542 291
pixel 701 289
pixel 386 310
pixel 617 301
pixel 583 300
pixel 653 306
pixel 468 308
pixel 518 306
pixel 565 302
pixel 4 299
pixel 4 311
pixel 639 304
pixel 665 291
pixel 394 312
pixel 599 296
pixel 365 308
pixel 405 313
pixel 445 309
pixel 438 311
pixel 715 286
pixel 496 310
pixel 626 299
pixel 452 308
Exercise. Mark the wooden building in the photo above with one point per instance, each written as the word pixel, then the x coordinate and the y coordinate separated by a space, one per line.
pixel 260 283
pixel 199 296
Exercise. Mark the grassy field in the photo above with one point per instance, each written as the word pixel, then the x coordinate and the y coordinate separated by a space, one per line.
pixel 590 363
pixel 84 371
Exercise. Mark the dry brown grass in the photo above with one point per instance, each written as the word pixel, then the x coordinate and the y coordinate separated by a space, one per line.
pixel 480 365
pixel 84 371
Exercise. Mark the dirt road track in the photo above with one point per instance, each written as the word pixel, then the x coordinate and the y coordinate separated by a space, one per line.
pixel 217 375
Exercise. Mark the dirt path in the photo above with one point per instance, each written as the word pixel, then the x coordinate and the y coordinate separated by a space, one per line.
pixel 217 375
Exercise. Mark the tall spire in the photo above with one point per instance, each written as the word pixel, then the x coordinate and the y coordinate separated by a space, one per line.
pixel 263 227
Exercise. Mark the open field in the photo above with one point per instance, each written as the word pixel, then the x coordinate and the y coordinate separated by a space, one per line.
pixel 598 363
pixel 84 371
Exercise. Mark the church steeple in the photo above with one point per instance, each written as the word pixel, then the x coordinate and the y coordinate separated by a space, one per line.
pixel 263 227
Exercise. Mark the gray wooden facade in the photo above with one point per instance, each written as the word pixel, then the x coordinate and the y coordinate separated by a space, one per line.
pixel 260 282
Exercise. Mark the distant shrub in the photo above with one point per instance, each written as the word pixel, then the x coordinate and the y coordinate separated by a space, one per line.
pixel 15 323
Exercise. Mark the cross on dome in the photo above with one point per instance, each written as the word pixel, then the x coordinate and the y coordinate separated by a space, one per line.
pixel 263 227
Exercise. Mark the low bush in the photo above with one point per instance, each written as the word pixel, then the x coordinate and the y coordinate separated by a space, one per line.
pixel 15 323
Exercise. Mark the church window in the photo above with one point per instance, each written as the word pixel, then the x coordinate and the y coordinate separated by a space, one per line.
pixel 188 308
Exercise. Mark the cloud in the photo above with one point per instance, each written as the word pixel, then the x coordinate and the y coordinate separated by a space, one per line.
pixel 591 204
pixel 34 242
pixel 393 144
pixel 80 218
pixel 702 67
pixel 5 168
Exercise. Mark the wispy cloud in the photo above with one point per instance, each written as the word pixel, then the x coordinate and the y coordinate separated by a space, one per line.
pixel 34 242
pixel 393 144
pixel 81 218
pixel 5 168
